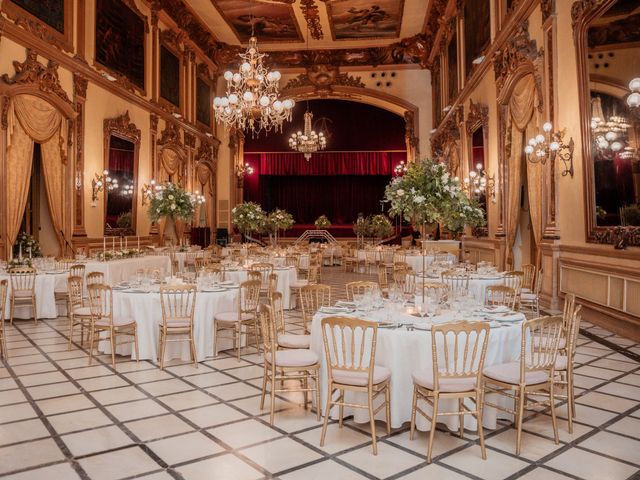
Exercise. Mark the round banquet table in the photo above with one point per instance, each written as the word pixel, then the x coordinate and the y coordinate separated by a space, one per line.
pixel 477 284
pixel 286 276
pixel 146 309
pixel 116 271
pixel 46 284
pixel 415 260
pixel 402 351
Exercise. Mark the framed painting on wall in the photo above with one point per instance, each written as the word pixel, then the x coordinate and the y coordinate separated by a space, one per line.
pixel 477 31
pixel 54 19
pixel 120 39
pixel 203 101
pixel 169 76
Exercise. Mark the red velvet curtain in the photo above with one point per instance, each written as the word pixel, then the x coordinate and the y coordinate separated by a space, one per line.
pixel 326 163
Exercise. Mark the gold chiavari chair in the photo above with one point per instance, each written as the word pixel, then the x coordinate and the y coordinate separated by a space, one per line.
pixel 190 260
pixel 23 290
pixel 101 305
pixel 383 280
pixel 273 285
pixel 244 316
pixel 202 262
pixel 387 257
pixel 436 291
pixel 312 298
pixel 350 260
pixel 371 260
pixel 286 340
pixel 78 312
pixel 265 270
pixel 217 270
pixel 4 287
pixel 514 280
pixel 528 277
pixel 399 256
pixel 500 295
pixel 350 352
pixel 360 288
pixel 406 284
pixel 254 276
pixel 178 306
pixel 455 281
pixel 564 367
pixel 292 261
pixel 95 278
pixel 313 277
pixel 458 350
pixel 281 366
pixel 531 300
pixel 532 374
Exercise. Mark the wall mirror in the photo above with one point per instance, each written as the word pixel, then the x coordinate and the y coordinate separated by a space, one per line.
pixel 477 139
pixel 608 41
pixel 122 144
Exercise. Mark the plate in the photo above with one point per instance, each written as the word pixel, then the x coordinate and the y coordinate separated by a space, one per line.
pixel 212 290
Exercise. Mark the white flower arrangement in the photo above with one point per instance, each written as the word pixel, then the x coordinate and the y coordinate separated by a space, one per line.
pixel 248 217
pixel 172 201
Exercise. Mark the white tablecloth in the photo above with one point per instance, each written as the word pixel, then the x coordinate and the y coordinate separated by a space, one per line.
pixel 415 260
pixel 46 285
pixel 116 271
pixel 402 351
pixel 477 284
pixel 286 276
pixel 145 308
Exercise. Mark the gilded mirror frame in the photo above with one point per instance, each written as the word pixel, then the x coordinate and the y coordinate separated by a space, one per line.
pixel 583 13
pixel 123 128
pixel 477 118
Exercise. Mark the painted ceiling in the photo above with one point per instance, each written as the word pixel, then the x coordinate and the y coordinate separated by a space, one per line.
pixel 289 24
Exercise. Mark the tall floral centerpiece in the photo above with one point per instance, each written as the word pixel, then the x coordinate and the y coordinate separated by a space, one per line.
pixel 275 221
pixel 322 222
pixel 427 194
pixel 380 226
pixel 171 204
pixel 248 217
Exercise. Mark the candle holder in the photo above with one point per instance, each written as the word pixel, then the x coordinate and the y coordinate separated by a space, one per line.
pixel 99 183
pixel 479 182
pixel 550 145
pixel 149 191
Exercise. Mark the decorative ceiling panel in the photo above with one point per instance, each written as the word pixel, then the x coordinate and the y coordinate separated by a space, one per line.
pixel 270 22
pixel 364 19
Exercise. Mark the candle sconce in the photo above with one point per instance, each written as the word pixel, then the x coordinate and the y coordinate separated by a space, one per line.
pixel 549 146
pixel 99 183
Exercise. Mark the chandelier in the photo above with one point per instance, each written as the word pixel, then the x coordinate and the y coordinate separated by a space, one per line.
pixel 633 100
pixel 309 141
pixel 479 183
pixel 609 134
pixel 251 101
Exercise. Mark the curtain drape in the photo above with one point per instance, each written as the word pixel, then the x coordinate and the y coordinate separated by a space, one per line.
pixel 326 163
pixel 521 121
pixel 170 161
pixel 33 119
pixel 203 174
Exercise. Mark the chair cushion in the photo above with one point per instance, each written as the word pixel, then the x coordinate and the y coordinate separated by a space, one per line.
pixel 510 373
pixel 360 379
pixel 120 322
pixel 178 324
pixel 83 311
pixel 22 293
pixel 528 296
pixel 561 362
pixel 299 284
pixel 232 316
pixel 290 340
pixel 298 357
pixel 525 290
pixel 424 378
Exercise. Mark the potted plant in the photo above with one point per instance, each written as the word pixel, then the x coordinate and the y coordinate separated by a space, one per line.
pixel 380 226
pixel 26 246
pixel 248 217
pixel 322 222
pixel 171 204
pixel 276 221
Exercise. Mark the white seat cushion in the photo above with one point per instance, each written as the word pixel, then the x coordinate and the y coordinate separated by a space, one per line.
pixel 290 340
pixel 178 324
pixel 360 379
pixel 424 378
pixel 83 311
pixel 293 358
pixel 510 373
pixel 232 316
pixel 561 362
pixel 528 296
pixel 299 284
pixel 120 322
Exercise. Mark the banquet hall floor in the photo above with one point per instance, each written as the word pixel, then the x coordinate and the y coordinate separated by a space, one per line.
pixel 63 419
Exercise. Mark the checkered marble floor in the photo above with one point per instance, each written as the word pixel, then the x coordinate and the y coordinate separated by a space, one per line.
pixel 63 419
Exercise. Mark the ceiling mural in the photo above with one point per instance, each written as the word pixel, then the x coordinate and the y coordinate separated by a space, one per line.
pixel 364 19
pixel 270 22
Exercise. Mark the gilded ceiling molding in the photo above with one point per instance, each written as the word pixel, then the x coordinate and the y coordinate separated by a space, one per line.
pixel 122 126
pixel 478 117
pixel 80 84
pixel 548 8
pixel 582 7
pixel 519 49
pixel 187 21
pixel 174 39
pixel 312 16
pixel 32 72
pixel 170 135
pixel 322 77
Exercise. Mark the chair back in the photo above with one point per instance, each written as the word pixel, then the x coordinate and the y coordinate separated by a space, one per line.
pixel 101 302
pixel 313 274
pixel 528 276
pixel 292 261
pixel 500 295
pixel 4 288
pixel 360 288
pixel 23 280
pixel 407 283
pixel 178 304
pixel 539 347
pixel 572 336
pixel 349 345
pixel 371 256
pixel 388 255
pixel 265 269
pixel 568 309
pixel 249 297
pixel 514 280
pixel 277 310
pixel 312 297
pixel 537 287
pixel 95 278
pixel 269 332
pixel 383 277
pixel 458 350
pixel 77 270
pixel 437 291
pixel 273 284
pixel 455 281
pixel 254 276
pixel 400 256
pixel 202 262
pixel 75 290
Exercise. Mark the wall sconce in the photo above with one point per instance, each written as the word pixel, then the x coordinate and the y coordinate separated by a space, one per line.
pixel 633 100
pixel 149 191
pixel 549 145
pixel 127 190
pixel 198 198
pixel 400 169
pixel 479 182
pixel 243 170
pixel 99 183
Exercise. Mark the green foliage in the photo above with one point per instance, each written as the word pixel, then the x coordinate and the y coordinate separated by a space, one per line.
pixel 631 215
pixel 28 243
pixel 172 201
pixel 278 220
pixel 248 217
pixel 124 220
pixel 322 222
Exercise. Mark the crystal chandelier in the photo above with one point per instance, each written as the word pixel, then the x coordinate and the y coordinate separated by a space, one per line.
pixel 609 135
pixel 251 100
pixel 309 141
pixel 479 183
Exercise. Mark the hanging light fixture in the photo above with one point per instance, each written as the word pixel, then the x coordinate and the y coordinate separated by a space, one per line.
pixel 307 141
pixel 252 99
pixel 633 100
